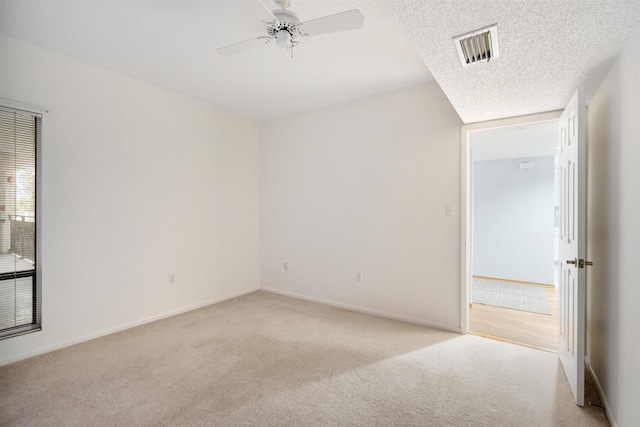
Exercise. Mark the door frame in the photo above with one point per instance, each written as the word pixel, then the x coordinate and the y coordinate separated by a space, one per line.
pixel 465 198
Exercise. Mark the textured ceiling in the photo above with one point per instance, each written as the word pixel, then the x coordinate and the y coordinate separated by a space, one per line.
pixel 172 44
pixel 548 48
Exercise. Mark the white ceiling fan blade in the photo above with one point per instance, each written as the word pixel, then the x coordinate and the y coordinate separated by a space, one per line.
pixel 232 49
pixel 349 20
pixel 268 16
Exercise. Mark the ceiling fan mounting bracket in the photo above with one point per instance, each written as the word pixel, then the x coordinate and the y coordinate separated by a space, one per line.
pixel 283 4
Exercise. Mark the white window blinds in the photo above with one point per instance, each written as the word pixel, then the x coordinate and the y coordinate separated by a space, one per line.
pixel 19 260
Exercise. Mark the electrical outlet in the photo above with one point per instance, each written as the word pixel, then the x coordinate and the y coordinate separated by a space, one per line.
pixel 358 277
pixel 286 266
pixel 172 278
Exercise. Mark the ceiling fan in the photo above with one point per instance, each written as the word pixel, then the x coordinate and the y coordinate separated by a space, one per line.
pixel 285 28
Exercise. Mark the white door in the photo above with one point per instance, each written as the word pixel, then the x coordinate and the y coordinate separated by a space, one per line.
pixel 571 301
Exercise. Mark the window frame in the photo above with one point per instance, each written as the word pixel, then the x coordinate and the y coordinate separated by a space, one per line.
pixel 36 323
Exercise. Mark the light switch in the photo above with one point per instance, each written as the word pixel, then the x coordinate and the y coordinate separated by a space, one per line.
pixel 450 210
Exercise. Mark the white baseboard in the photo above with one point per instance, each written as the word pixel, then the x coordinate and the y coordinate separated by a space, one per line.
pixel 67 343
pixel 104 332
pixel 600 392
pixel 364 310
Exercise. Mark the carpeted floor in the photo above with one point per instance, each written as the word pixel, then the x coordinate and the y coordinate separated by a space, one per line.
pixel 517 296
pixel 269 360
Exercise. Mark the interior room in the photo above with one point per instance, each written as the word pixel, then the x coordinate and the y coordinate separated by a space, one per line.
pixel 258 212
pixel 514 237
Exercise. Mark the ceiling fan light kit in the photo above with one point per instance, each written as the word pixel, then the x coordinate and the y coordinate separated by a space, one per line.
pixel 285 28
pixel 283 39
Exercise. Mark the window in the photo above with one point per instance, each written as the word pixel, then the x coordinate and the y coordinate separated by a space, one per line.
pixel 20 259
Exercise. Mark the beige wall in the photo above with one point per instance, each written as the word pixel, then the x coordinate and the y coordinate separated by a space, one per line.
pixel 613 229
pixel 138 182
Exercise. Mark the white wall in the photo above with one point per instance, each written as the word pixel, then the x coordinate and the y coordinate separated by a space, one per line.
pixel 613 227
pixel 138 182
pixel 362 187
pixel 513 219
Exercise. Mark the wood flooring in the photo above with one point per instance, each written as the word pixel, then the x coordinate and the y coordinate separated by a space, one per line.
pixel 532 329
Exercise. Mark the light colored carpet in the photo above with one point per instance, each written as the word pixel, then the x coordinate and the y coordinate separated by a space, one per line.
pixel 517 296
pixel 269 360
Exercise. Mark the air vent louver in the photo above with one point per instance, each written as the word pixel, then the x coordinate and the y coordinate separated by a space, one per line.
pixel 477 46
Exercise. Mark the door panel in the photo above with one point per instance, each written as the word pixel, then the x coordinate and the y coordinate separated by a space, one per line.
pixel 572 245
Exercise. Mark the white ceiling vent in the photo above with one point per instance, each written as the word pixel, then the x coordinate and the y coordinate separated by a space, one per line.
pixel 478 46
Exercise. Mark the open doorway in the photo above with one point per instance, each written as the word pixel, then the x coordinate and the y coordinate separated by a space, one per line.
pixel 513 233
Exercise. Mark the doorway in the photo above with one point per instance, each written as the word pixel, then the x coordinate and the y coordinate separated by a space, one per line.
pixel 511 230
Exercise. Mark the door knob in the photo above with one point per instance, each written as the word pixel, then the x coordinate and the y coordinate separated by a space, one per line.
pixel 580 263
